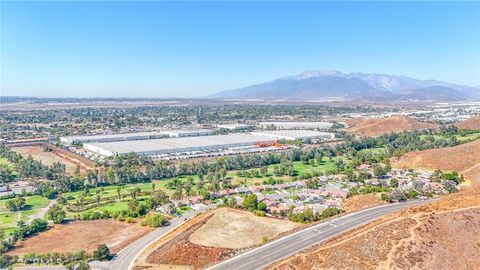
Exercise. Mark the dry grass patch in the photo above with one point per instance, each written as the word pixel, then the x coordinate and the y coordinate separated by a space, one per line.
pixel 362 201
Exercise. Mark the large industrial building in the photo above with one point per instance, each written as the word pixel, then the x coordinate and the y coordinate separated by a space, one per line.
pixel 112 137
pixel 190 143
pixel 297 125
pixel 235 126
pixel 69 140
pixel 177 145
pixel 292 135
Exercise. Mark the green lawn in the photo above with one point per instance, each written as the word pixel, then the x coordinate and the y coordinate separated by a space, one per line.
pixel 8 219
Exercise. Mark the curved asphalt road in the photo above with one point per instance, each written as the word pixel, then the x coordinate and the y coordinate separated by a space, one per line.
pixel 126 257
pixel 296 242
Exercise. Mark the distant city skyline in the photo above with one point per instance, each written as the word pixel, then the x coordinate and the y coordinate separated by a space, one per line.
pixel 193 49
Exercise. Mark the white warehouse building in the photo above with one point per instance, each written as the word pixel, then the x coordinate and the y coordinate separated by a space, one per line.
pixel 291 135
pixel 112 137
pixel 176 145
pixel 69 140
pixel 187 132
pixel 297 125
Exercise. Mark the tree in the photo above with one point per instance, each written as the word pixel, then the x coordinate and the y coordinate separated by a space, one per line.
pixel 379 170
pixel 102 253
pixel 154 221
pixel 262 206
pixel 250 202
pixel 97 199
pixel 56 214
pixel 394 182
pixel 119 189
pixel 15 204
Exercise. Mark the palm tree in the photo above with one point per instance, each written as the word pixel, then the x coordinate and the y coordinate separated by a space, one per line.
pixel 119 189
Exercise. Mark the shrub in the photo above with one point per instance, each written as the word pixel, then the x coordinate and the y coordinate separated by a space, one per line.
pixel 154 221
pixel 102 253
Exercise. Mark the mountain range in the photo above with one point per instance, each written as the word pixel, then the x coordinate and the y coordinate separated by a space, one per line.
pixel 313 84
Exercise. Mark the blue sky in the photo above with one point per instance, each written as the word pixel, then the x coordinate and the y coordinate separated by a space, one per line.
pixel 164 49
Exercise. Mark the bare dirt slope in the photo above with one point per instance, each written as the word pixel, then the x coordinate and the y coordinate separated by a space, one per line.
pixel 464 158
pixel 379 126
pixel 83 235
pixel 471 123
pixel 362 201
pixel 440 235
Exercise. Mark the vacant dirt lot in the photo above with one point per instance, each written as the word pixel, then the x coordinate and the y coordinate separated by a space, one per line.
pixel 464 158
pixel 181 252
pixel 57 155
pixel 227 226
pixel 440 235
pixel 47 158
pixel 83 235
pixel 471 123
pixel 379 126
pixel 190 247
pixel 362 201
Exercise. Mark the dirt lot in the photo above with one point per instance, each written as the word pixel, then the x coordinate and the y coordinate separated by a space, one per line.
pixel 211 237
pixel 48 158
pixel 83 235
pixel 471 123
pixel 227 226
pixel 379 126
pixel 362 201
pixel 440 235
pixel 464 158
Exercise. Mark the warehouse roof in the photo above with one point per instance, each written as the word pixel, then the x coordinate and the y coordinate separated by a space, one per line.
pixel 113 136
pixel 292 133
pixel 179 143
pixel 298 124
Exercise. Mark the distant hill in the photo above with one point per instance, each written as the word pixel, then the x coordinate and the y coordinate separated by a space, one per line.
pixel 332 83
pixel 379 126
pixel 471 123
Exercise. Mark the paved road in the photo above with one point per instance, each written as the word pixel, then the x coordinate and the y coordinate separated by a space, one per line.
pixel 291 244
pixel 126 257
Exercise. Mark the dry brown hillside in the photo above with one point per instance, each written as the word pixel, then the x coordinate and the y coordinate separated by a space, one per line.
pixel 471 123
pixel 464 158
pixel 379 126
pixel 441 235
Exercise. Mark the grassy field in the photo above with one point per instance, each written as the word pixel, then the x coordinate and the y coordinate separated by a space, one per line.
pixel 9 219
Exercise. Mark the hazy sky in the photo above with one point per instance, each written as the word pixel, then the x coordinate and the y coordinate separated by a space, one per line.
pixel 158 49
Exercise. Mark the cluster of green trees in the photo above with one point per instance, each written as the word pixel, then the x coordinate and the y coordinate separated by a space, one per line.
pixel 27 167
pixel 454 176
pixel 250 202
pixel 55 214
pixel 77 260
pixel 21 232
pixel 15 204
pixel 308 215
pixel 155 221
